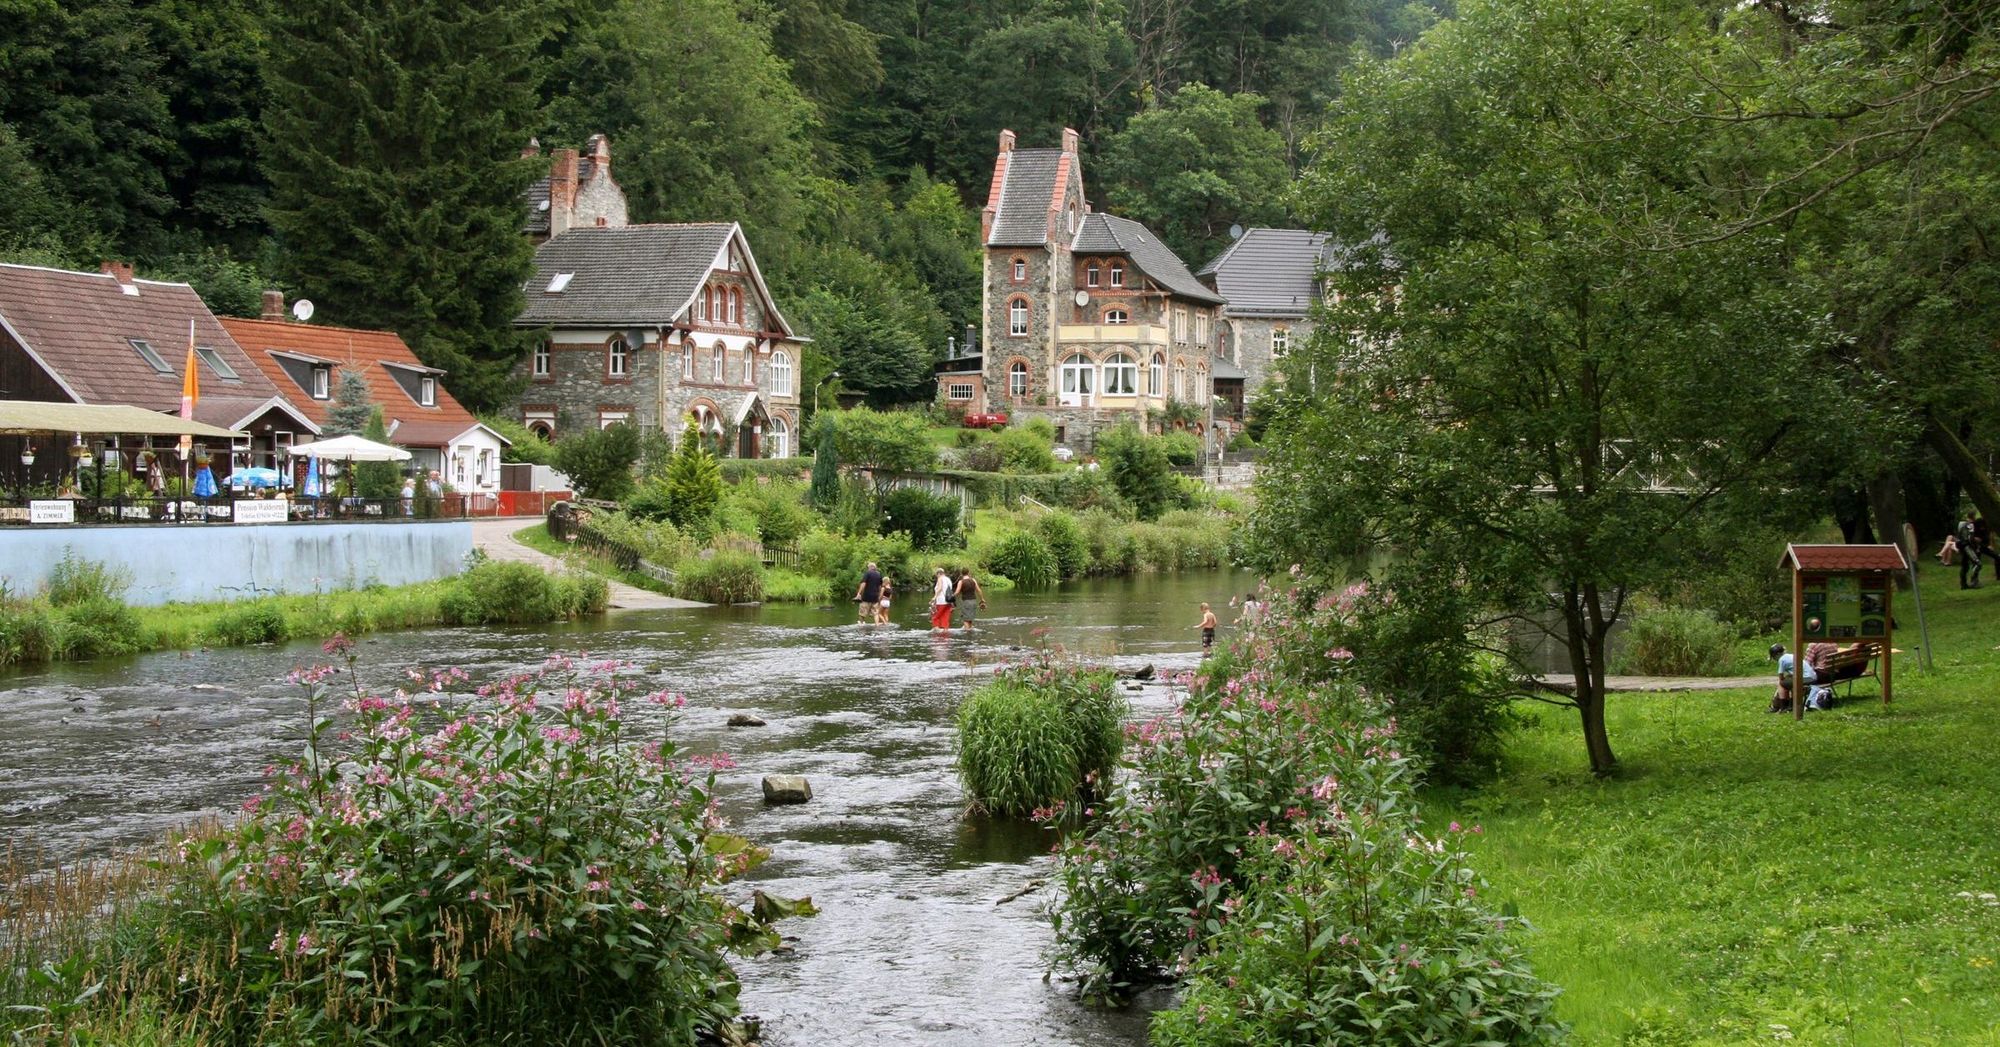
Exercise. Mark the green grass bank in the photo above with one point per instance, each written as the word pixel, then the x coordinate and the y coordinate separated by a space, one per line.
pixel 1745 878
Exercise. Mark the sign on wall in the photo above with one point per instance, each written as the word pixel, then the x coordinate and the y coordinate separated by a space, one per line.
pixel 261 510
pixel 51 511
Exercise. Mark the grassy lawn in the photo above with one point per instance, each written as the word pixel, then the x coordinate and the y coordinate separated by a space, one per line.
pixel 1746 878
pixel 538 539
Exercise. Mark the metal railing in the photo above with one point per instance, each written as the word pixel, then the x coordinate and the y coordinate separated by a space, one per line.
pixel 565 524
pixel 223 509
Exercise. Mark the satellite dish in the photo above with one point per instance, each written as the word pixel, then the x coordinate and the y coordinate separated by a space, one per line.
pixel 1082 298
pixel 1236 232
pixel 302 310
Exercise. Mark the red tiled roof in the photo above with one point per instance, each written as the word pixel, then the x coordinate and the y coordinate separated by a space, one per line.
pixel 1845 558
pixel 79 325
pixel 369 352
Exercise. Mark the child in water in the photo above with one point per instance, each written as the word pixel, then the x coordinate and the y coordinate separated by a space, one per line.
pixel 1207 628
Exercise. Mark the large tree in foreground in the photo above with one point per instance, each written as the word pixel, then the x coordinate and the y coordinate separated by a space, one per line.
pixel 1511 391
pixel 393 146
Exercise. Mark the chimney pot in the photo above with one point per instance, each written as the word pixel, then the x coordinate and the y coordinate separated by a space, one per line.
pixel 121 270
pixel 1069 140
pixel 533 148
pixel 274 305
pixel 1006 141
pixel 600 151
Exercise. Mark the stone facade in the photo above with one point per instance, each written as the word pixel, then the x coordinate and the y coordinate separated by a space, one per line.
pixel 1251 343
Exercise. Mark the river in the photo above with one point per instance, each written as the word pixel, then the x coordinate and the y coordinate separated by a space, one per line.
pixel 910 946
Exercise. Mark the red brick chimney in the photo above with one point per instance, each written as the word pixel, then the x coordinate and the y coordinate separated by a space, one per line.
pixel 274 305
pixel 562 191
pixel 121 270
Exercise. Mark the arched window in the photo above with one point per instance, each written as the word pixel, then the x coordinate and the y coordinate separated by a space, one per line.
pixel 781 375
pixel 617 355
pixel 1118 274
pixel 1117 316
pixel 542 429
pixel 1180 380
pixel 1121 375
pixel 1017 318
pixel 543 359
pixel 687 361
pixel 1090 275
pixel 749 365
pixel 1201 395
pixel 780 442
pixel 1079 378
pixel 715 365
pixel 1017 378
pixel 736 308
pixel 707 302
pixel 1020 270
pixel 1156 376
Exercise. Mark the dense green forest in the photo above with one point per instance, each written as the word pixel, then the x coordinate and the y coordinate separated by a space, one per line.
pixel 367 155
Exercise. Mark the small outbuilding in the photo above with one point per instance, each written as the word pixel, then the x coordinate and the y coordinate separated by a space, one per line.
pixel 1844 594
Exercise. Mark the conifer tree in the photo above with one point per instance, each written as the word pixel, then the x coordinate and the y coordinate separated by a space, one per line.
pixel 694 483
pixel 351 405
pixel 825 489
pixel 393 137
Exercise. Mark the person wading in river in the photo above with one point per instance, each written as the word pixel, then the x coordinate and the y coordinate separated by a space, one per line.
pixel 1207 627
pixel 941 594
pixel 970 599
pixel 869 594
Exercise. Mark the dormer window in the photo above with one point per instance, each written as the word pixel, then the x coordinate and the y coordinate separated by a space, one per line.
pixel 322 382
pixel 559 282
pixel 429 394
pixel 1117 274
pixel 152 358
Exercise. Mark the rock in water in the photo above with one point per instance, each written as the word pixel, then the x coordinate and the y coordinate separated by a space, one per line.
pixel 745 720
pixel 786 788
pixel 1144 674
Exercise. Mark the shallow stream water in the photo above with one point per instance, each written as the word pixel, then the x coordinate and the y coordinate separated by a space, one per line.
pixel 912 945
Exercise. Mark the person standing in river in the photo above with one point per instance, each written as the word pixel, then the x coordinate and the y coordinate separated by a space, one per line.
pixel 970 599
pixel 941 593
pixel 1207 628
pixel 869 594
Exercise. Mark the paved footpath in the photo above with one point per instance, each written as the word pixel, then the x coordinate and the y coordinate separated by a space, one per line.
pixel 496 539
pixel 1563 682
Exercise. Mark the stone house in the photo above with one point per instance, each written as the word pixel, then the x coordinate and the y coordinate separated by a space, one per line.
pixel 305 360
pixel 1272 279
pixel 109 338
pixel 1089 319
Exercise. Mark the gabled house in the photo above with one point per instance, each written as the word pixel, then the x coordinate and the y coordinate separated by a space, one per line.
pixel 1272 279
pixel 108 338
pixel 305 361
pixel 1089 319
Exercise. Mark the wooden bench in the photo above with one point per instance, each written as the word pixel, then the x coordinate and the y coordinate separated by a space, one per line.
pixel 1849 664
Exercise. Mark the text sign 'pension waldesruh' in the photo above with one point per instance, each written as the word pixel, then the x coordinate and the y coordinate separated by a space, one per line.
pixel 51 511
pixel 260 510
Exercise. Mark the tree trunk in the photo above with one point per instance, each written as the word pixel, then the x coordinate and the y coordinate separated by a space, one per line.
pixel 1885 501
pixel 1586 661
pixel 1964 467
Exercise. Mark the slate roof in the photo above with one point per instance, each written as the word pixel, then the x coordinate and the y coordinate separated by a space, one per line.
pixel 1844 558
pixel 1108 234
pixel 537 195
pixel 628 275
pixel 1226 370
pixel 79 327
pixel 1270 272
pixel 368 352
pixel 1027 191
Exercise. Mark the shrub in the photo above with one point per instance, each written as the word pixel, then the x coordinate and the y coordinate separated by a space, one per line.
pixel 1202 539
pixel 75 580
pixel 787 586
pixel 1025 558
pixel 599 462
pixel 259 621
pixel 985 457
pixel 779 505
pixel 931 520
pixel 965 437
pixel 1139 468
pixel 1043 429
pixel 725 578
pixel 840 559
pixel 855 510
pixel 898 441
pixel 651 499
pixel 1066 543
pixel 523 443
pixel 656 540
pixel 500 591
pixel 516 871
pixel 1181 446
pixel 1038 735
pixel 99 627
pixel 1109 541
pixel 1082 489
pixel 1677 641
pixel 1026 450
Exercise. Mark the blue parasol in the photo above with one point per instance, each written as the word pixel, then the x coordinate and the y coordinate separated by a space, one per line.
pixel 312 478
pixel 204 483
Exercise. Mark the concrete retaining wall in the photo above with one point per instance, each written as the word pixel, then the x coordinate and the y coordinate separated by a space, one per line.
pixel 168 564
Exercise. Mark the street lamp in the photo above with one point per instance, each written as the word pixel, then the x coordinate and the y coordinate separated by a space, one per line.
pixel 830 376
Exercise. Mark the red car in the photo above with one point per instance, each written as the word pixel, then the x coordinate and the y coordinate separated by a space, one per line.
pixel 985 421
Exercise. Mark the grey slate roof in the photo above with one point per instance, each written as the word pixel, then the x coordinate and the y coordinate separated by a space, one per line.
pixel 1226 370
pixel 1270 272
pixel 1108 234
pixel 635 274
pixel 1026 192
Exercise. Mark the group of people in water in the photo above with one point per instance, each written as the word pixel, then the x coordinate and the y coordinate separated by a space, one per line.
pixel 963 594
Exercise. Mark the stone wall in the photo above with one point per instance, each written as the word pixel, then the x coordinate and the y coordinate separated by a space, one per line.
pixel 1250 343
pixel 200 562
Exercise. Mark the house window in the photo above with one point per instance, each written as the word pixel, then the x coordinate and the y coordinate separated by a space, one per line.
pixel 781 375
pixel 707 299
pixel 1090 275
pixel 322 380
pixel 733 298
pixel 543 361
pixel 687 362
pixel 1020 270
pixel 217 364
pixel 615 357
pixel 152 358
pixel 429 387
pixel 749 365
pixel 1121 375
pixel 1117 316
pixel 1017 318
pixel 607 419
pixel 1201 394
pixel 1017 378
pixel 560 282
pixel 1281 341
pixel 780 437
pixel 1117 274
pixel 715 366
pixel 1079 375
pixel 959 391
pixel 1201 327
pixel 1180 325
pixel 1156 376
pixel 1180 380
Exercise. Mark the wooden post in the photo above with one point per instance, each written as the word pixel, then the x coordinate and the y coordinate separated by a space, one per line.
pixel 1798 643
pixel 1888 637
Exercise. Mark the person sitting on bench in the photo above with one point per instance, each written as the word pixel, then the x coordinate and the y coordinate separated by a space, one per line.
pixel 1818 696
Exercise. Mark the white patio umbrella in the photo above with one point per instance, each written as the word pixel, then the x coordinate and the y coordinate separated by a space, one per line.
pixel 351 449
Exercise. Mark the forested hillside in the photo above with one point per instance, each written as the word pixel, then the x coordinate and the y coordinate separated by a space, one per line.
pixel 368 155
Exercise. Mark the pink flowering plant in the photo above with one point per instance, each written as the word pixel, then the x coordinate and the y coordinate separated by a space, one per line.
pixel 531 860
pixel 1274 808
